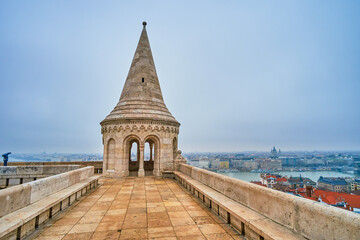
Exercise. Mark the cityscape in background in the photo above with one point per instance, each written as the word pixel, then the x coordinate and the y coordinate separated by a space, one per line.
pixel 337 163
pixel 331 177
pixel 262 97
pixel 246 166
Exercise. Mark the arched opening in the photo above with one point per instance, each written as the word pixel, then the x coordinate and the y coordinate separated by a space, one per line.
pixel 134 157
pixel 148 151
pixel 110 163
pixel 149 157
pixel 152 159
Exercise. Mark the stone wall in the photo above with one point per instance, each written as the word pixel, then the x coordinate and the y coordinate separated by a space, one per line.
pixel 118 135
pixel 16 197
pixel 308 218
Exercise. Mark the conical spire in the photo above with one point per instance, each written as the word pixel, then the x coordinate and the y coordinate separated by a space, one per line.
pixel 141 97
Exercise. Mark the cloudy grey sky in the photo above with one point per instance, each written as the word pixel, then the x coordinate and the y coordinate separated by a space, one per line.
pixel 238 75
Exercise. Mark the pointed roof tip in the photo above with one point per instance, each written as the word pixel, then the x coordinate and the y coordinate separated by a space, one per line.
pixel 141 97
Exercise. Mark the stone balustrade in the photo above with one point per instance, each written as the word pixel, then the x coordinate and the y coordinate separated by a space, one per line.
pixel 307 218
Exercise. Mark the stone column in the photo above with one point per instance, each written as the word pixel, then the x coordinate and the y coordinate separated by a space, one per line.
pixel 157 158
pixel 138 157
pixel 141 172
pixel 130 153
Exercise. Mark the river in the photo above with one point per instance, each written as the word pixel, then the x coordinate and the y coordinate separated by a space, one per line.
pixel 313 175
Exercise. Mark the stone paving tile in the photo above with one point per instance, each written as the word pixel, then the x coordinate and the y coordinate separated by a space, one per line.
pixel 198 213
pixel 106 235
pixel 74 215
pixel 156 209
pixel 218 236
pixel 138 208
pixel 140 233
pixel 158 203
pixel 81 208
pixel 58 237
pixel 113 218
pixel 101 206
pixel 182 221
pixel 116 212
pixel 157 215
pixel 211 228
pixel 191 230
pixel 192 237
pixel 90 219
pixel 162 222
pixel 137 220
pixel 165 238
pixel 87 203
pixel 67 221
pixel 109 226
pixel 83 228
pixel 161 232
pixel 78 236
pixel 57 230
pixel 175 209
pixel 92 213
pixel 203 220
pixel 180 214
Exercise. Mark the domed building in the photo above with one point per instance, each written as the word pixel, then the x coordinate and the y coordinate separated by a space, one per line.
pixel 140 118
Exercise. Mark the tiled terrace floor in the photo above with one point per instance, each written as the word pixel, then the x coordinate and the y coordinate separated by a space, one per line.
pixel 138 208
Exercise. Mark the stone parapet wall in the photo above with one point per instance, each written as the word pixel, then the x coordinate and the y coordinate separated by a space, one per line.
pixel 16 197
pixel 37 170
pixel 308 218
pixel 96 164
pixel 14 175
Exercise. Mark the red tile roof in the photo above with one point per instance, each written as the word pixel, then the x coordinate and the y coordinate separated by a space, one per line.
pixel 301 190
pixel 282 179
pixel 334 197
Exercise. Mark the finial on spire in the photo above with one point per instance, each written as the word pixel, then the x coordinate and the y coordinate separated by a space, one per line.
pixel 144 23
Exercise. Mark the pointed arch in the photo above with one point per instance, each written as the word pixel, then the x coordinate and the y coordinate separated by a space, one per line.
pixel 153 165
pixel 110 156
pixel 132 163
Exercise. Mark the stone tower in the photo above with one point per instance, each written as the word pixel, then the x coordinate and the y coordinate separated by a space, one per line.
pixel 140 117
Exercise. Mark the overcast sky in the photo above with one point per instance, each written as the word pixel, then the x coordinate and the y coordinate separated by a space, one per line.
pixel 237 75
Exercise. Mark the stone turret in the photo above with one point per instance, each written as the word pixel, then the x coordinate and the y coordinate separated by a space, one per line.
pixel 140 117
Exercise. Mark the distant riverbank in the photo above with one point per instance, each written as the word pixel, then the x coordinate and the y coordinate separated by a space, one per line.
pixel 313 175
pixel 70 159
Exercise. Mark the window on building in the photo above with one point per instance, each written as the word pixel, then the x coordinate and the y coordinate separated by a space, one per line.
pixel 142 80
